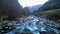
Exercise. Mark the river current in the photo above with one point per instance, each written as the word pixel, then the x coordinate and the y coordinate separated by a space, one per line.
pixel 32 25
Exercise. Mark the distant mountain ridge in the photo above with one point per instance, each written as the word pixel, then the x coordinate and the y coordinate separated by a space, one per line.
pixel 35 8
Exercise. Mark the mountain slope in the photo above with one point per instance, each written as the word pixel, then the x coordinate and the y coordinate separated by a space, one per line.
pixel 51 4
pixel 50 14
pixel 11 9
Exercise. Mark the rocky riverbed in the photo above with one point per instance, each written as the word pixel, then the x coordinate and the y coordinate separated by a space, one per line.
pixel 29 25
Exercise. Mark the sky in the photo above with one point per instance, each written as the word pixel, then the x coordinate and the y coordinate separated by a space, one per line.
pixel 29 3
